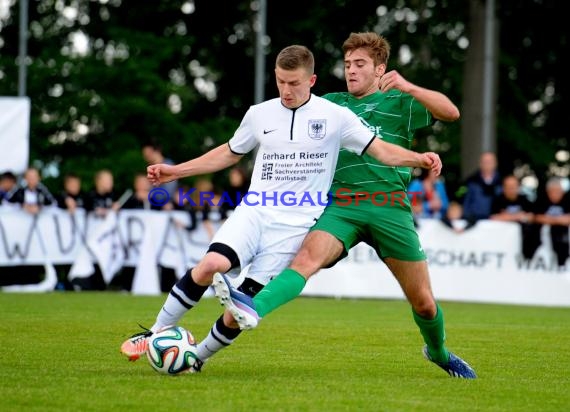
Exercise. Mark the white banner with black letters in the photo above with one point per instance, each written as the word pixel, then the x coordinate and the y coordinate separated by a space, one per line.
pixel 483 264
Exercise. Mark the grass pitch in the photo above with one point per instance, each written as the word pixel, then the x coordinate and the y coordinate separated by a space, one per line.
pixel 60 352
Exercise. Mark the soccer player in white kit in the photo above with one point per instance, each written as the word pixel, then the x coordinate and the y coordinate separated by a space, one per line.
pixel 298 137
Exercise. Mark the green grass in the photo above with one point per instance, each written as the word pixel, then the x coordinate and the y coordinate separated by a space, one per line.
pixel 60 352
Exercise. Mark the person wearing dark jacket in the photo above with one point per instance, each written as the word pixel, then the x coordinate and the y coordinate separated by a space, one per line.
pixel 139 198
pixel 8 182
pixel 482 187
pixel 72 197
pixel 103 198
pixel 512 206
pixel 553 209
pixel 32 195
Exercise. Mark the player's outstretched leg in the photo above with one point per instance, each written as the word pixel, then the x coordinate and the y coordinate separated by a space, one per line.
pixel 455 367
pixel 240 305
pixel 183 296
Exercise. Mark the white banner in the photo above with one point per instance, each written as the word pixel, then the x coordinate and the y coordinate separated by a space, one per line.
pixel 483 264
pixel 14 134
pixel 20 244
pixel 133 238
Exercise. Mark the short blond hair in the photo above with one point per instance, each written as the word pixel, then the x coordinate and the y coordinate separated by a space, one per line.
pixel 296 57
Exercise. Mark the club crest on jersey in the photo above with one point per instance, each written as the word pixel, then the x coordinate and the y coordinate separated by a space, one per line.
pixel 317 129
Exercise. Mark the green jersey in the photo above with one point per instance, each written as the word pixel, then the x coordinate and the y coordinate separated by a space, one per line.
pixel 394 116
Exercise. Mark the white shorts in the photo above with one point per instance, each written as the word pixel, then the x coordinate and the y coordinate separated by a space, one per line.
pixel 266 238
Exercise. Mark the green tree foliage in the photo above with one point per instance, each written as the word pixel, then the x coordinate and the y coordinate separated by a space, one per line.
pixel 183 71
pixel 94 110
pixel 533 82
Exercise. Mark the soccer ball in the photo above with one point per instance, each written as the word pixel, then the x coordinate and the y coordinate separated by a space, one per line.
pixel 172 350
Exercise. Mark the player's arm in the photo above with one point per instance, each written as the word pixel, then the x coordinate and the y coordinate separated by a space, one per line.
pixel 394 155
pixel 437 103
pixel 216 159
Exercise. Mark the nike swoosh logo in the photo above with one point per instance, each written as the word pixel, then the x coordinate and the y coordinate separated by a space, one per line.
pixel 268 131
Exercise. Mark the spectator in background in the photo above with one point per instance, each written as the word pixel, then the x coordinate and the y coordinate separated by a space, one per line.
pixel 168 276
pixel 103 198
pixel 32 195
pixel 8 182
pixel 238 185
pixel 482 187
pixel 553 209
pixel 139 198
pixel 512 206
pixel 72 197
pixel 455 220
pixel 152 154
pixel 207 213
pixel 217 213
pixel 183 206
pixel 429 196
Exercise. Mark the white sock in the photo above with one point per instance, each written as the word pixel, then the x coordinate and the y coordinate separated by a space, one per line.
pixel 176 305
pixel 216 340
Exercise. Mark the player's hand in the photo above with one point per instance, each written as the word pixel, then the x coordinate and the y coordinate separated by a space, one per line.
pixel 160 173
pixel 432 161
pixel 394 80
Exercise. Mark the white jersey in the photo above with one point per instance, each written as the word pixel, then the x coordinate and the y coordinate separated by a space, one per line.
pixel 298 150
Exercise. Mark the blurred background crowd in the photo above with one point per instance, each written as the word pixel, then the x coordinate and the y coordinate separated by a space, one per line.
pixel 485 194
pixel 488 195
pixel 104 78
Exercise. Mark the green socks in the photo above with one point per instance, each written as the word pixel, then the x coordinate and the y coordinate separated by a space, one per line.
pixel 433 332
pixel 284 287
pixel 289 284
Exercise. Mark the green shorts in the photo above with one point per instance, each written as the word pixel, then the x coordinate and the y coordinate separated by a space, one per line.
pixel 389 229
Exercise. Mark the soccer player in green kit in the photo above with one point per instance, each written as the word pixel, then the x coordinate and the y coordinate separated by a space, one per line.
pixel 393 108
